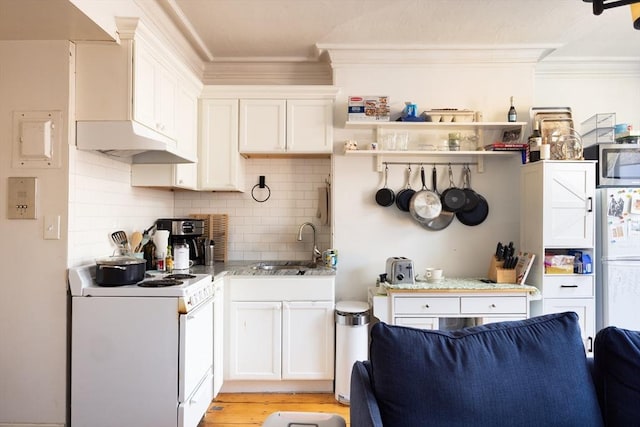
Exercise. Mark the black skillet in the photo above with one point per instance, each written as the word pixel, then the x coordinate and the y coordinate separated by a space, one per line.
pixel 471 197
pixel 453 198
pixel 403 198
pixel 385 196
pixel 477 215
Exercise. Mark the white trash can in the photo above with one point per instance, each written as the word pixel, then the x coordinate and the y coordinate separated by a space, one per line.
pixel 352 343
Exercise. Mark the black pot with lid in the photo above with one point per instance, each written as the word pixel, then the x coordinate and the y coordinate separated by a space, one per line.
pixel 119 270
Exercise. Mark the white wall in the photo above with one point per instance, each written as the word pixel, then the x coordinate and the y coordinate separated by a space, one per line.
pixel 269 230
pixel 33 306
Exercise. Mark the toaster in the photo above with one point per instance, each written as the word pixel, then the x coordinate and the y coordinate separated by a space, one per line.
pixel 399 271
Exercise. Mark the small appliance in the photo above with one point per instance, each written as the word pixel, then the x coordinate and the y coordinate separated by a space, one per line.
pixel 399 271
pixel 618 164
pixel 185 230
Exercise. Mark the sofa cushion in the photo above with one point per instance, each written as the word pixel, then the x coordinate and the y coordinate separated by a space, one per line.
pixel 616 373
pixel 520 373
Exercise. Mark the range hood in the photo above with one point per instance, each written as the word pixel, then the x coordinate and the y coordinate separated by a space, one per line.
pixel 129 141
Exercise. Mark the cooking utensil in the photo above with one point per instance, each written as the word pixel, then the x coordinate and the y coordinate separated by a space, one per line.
pixel 425 204
pixel 477 215
pixel 453 198
pixel 136 241
pixel 121 242
pixel 445 218
pixel 471 197
pixel 119 270
pixel 403 198
pixel 385 196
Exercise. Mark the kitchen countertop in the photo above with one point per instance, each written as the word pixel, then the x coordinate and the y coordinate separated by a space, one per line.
pixel 461 285
pixel 244 268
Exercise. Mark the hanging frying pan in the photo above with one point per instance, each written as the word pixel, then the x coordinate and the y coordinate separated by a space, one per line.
pixel 477 215
pixel 471 197
pixel 453 198
pixel 425 204
pixel 385 196
pixel 445 218
pixel 403 198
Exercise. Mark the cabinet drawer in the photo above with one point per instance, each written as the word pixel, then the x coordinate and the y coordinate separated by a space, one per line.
pixel 568 286
pixel 493 305
pixel 426 305
pixel 430 323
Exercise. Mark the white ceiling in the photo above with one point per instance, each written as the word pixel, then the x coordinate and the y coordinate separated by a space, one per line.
pixel 228 31
pixel 290 29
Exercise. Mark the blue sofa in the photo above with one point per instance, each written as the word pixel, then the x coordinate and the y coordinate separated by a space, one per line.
pixel 532 372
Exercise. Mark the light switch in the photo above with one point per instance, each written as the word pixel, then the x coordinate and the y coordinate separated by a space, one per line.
pixel 52 227
pixel 22 198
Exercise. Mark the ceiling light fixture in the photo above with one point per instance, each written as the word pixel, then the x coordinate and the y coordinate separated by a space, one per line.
pixel 600 5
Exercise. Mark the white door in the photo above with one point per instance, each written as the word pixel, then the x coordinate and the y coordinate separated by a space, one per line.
pixel 621 294
pixel 196 348
pixel 186 175
pixel 255 340
pixel 309 126
pixel 307 340
pixel 219 163
pixel 569 204
pixel 263 125
pixel 584 307
pixel 144 86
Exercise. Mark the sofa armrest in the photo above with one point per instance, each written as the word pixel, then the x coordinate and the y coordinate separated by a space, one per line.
pixel 363 406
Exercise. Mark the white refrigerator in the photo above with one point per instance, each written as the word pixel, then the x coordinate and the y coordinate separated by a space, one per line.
pixel 618 248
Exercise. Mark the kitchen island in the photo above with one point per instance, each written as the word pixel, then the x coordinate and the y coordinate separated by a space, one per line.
pixel 451 303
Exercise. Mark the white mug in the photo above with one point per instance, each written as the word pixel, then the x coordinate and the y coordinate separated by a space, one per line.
pixel 433 274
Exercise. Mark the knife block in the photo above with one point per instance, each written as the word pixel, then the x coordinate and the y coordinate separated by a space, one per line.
pixel 499 274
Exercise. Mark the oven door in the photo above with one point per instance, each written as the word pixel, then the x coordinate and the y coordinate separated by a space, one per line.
pixel 196 348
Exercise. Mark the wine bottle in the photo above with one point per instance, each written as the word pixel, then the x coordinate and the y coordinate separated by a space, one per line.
pixel 535 142
pixel 512 116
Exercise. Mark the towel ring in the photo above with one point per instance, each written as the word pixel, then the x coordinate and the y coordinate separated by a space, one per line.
pixel 261 186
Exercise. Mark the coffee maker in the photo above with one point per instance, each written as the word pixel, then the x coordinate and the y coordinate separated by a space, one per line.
pixel 187 230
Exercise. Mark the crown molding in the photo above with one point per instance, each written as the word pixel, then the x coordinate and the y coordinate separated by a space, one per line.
pixel 573 67
pixel 409 55
pixel 269 91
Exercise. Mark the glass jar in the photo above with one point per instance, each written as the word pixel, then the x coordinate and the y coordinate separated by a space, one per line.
pixel 454 141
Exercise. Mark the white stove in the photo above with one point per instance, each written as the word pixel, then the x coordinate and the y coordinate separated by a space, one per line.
pixel 140 356
pixel 190 290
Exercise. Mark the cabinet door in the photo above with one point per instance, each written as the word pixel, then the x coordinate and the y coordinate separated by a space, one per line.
pixel 431 323
pixel 186 109
pixel 568 205
pixel 255 340
pixel 262 125
pixel 220 166
pixel 307 340
pixel 166 87
pixel 584 307
pixel 309 126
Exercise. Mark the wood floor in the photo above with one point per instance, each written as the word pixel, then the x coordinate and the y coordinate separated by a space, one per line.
pixel 251 409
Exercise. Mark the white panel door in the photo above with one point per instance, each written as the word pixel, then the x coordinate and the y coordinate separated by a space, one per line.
pixel 309 125
pixel 584 307
pixel 569 204
pixel 308 340
pixel 263 125
pixel 255 340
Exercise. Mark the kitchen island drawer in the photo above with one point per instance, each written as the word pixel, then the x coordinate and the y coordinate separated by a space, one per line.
pixel 493 305
pixel 568 286
pixel 426 305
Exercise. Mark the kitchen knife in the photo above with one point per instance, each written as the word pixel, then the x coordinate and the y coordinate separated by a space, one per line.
pixel 499 251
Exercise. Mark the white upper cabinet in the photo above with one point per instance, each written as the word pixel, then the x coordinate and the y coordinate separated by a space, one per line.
pixel 286 126
pixel 220 166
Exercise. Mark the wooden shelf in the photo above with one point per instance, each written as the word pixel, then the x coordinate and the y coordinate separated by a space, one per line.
pixel 435 125
pixel 421 156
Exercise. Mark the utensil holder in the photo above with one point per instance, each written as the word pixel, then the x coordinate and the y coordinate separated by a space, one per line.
pixel 499 274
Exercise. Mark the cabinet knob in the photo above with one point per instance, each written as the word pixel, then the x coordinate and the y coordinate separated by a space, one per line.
pixel 426 306
pixel 492 306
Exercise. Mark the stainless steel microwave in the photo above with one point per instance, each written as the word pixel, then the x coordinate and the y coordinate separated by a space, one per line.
pixel 618 164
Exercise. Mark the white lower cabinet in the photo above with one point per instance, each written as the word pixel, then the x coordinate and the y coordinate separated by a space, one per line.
pixel 280 330
pixel 584 307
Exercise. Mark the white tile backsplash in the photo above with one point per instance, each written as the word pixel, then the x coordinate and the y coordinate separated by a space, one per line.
pixel 268 230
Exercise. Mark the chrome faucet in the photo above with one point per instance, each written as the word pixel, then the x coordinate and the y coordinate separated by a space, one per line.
pixel 315 253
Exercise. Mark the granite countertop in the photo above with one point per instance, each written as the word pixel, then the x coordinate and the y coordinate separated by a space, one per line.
pixel 463 285
pixel 244 268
